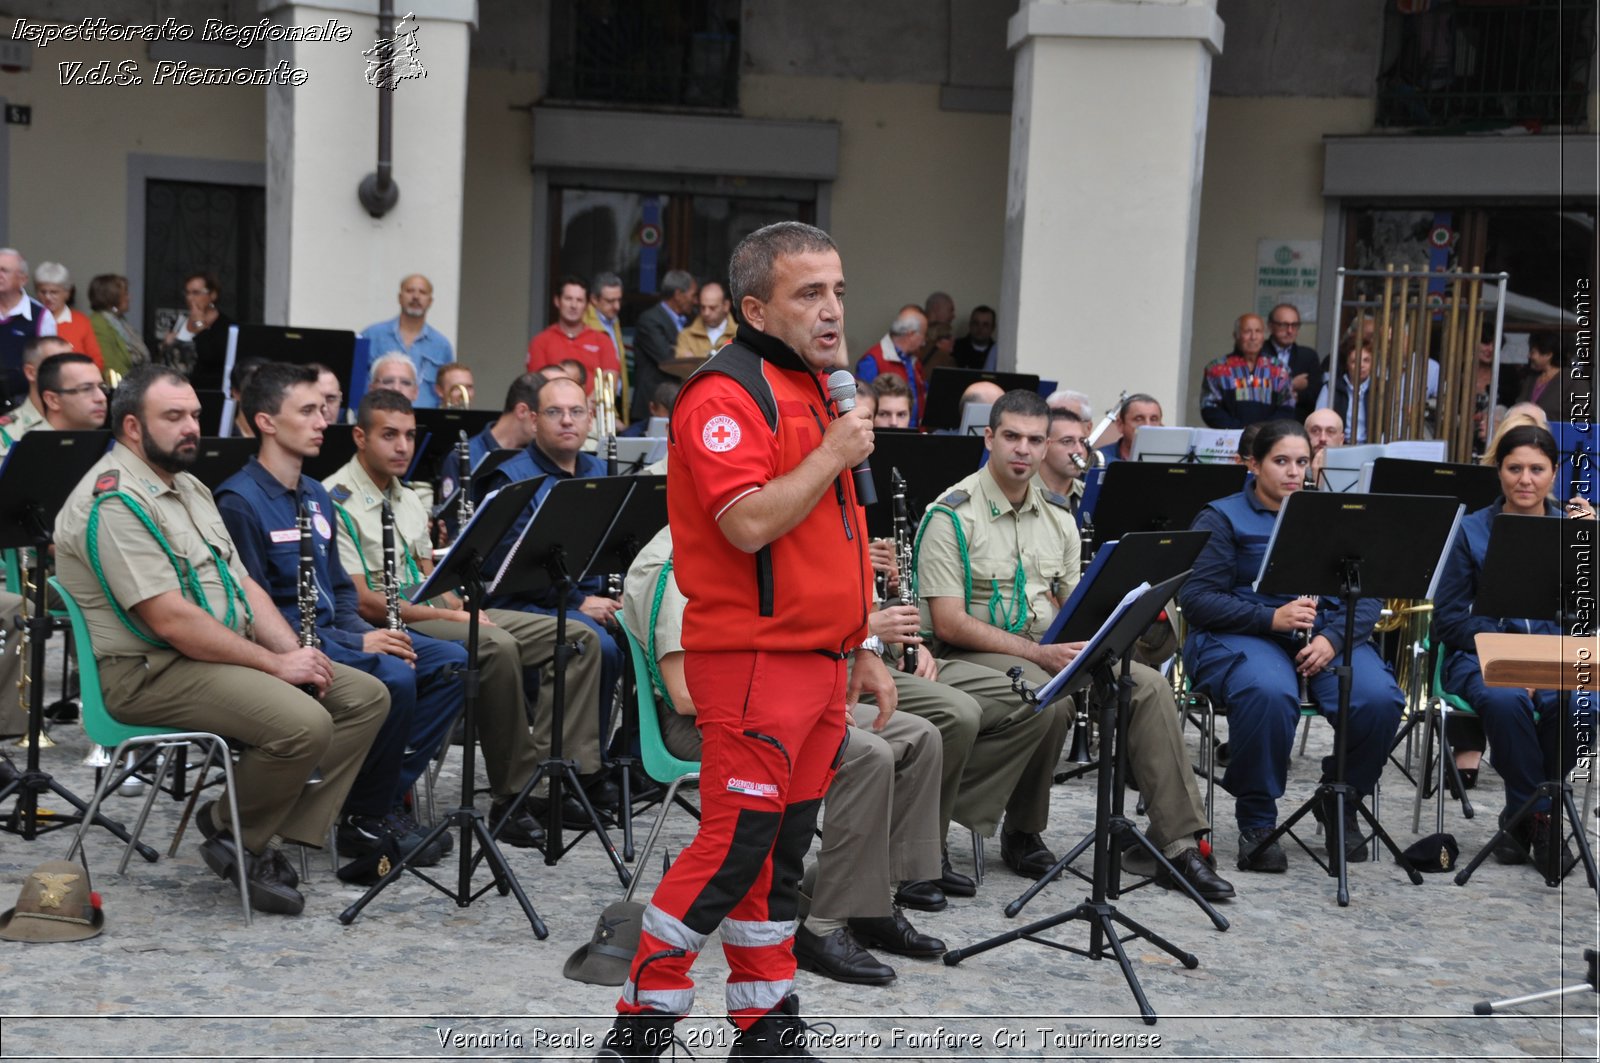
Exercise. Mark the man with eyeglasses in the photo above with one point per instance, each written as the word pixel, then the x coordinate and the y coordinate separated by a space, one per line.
pixel 1300 362
pixel 73 392
pixel 1069 438
pixel 560 427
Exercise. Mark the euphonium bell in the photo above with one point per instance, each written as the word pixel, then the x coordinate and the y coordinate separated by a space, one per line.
pixel 460 398
pixel 98 757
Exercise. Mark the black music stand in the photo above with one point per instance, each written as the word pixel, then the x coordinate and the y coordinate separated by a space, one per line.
pixel 641 517
pixel 35 479
pixel 338 447
pixel 439 430
pixel 1528 573
pixel 942 407
pixel 461 568
pixel 1118 567
pixel 1113 642
pixel 1138 496
pixel 447 507
pixel 930 464
pixel 219 457
pixel 553 553
pixel 1343 546
pixel 1475 486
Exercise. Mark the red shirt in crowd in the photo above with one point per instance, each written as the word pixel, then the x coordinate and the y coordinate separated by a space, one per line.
pixel 552 347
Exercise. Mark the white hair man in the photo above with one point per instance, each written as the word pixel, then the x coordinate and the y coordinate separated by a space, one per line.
pixel 395 372
pixel 898 353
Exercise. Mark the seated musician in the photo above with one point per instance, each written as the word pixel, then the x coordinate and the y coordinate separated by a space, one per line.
pixel 996 557
pixel 260 505
pixel 1136 411
pixel 1525 728
pixel 1066 457
pixel 28 414
pixel 513 429
pixel 880 824
pixel 891 400
pixel 1241 650
pixel 556 453
pixel 512 645
pixel 206 651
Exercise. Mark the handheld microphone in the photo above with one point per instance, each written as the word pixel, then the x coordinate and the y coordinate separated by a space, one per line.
pixel 842 390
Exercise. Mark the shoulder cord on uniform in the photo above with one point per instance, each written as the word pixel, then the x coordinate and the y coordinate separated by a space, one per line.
pixel 650 639
pixel 1016 616
pixel 188 579
pixel 413 574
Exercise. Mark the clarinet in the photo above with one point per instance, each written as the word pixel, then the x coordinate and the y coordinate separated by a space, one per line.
pixel 1302 639
pixel 307 589
pixel 903 548
pixel 391 578
pixel 463 482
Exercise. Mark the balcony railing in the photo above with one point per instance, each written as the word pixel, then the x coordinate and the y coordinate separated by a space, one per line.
pixel 1486 64
pixel 645 53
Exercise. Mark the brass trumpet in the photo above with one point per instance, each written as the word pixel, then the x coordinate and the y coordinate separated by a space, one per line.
pixel 459 399
pixel 605 416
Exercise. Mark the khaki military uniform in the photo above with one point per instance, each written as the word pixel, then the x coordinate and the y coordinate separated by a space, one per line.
pixel 18 422
pixel 517 641
pixel 285 734
pixel 1037 544
pixel 880 823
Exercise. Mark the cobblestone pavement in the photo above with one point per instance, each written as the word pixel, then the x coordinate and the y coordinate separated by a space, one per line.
pixel 177 974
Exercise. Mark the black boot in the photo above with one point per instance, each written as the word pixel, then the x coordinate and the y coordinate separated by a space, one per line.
pixel 779 1034
pixel 644 1036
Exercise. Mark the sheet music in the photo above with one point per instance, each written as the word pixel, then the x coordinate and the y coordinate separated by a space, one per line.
pixel 440 555
pixel 1047 693
pixel 1416 449
pixel 1215 446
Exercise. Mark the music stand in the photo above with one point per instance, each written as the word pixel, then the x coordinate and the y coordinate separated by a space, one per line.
pixel 334 348
pixel 38 474
pixel 1113 642
pixel 439 430
pixel 1475 486
pixel 635 452
pixel 946 384
pixel 1344 547
pixel 338 447
pixel 641 517
pixel 553 553
pixel 461 568
pixel 1161 443
pixel 1138 557
pixel 1341 467
pixel 216 411
pixel 1138 496
pixel 219 457
pixel 929 464
pixel 1529 572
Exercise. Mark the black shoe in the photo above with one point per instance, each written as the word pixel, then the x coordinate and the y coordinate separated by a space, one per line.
pixel 640 1037
pixel 1545 852
pixel 952 882
pixel 779 1034
pixel 411 832
pixel 1272 859
pixel 922 896
pixel 266 892
pixel 277 862
pixel 839 956
pixel 1222 754
pixel 1194 869
pixel 573 817
pixel 360 836
pixel 521 831
pixel 603 794
pixel 1355 846
pixel 1026 854
pixel 894 933
pixel 1512 848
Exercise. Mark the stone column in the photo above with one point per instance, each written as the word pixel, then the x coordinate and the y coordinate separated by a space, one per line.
pixel 329 263
pixel 1103 200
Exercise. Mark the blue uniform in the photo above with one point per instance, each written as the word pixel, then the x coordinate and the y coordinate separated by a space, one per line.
pixel 1524 748
pixel 1233 654
pixel 260 514
pixel 526 465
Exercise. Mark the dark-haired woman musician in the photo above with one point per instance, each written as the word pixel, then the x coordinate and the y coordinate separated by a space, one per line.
pixel 1242 650
pixel 1524 750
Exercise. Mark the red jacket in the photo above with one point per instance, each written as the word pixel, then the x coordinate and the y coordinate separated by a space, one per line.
pixel 750 415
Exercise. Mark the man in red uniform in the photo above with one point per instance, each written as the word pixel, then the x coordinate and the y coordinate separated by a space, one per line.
pixel 569 337
pixel 773 559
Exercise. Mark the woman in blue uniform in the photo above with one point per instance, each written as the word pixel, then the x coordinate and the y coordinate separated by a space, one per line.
pixel 1533 735
pixel 1243 650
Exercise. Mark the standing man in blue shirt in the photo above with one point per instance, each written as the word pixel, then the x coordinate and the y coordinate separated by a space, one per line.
pixel 556 453
pixel 260 504
pixel 411 335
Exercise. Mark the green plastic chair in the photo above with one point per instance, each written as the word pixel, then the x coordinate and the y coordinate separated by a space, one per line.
pixel 11 566
pixel 659 762
pixel 105 730
pixel 1440 704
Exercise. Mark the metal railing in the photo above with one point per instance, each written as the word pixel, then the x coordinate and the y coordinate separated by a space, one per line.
pixel 646 53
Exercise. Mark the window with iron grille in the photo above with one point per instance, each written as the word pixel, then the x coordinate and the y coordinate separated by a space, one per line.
pixel 1464 65
pixel 664 53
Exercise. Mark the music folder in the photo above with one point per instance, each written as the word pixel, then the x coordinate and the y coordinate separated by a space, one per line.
pixel 489 524
pixel 1475 486
pixel 942 407
pixel 1136 558
pixel 1131 617
pixel 1397 544
pixel 36 477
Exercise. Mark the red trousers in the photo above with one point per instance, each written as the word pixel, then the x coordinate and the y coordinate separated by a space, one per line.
pixel 772 732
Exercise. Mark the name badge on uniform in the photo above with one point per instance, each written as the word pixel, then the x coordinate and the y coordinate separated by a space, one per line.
pixel 286 535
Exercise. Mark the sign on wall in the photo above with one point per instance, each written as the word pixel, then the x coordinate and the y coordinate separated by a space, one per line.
pixel 1287 272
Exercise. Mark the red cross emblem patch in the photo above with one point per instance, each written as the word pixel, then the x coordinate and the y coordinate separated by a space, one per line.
pixel 721 433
